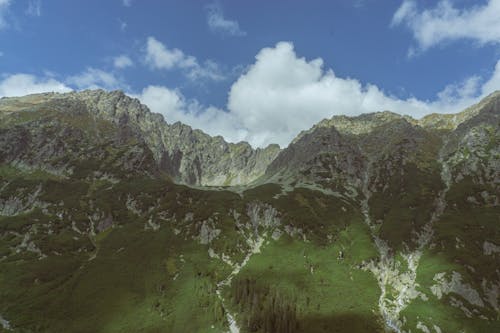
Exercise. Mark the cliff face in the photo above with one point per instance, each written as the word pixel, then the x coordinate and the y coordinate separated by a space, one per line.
pixel 188 156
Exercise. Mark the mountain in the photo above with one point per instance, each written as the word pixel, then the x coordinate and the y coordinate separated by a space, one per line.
pixel 113 220
pixel 188 156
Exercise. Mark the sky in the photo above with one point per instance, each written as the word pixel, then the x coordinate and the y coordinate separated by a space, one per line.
pixel 259 71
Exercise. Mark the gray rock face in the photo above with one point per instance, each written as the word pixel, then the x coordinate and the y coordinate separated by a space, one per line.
pixel 343 147
pixel 188 156
pixel 60 138
pixel 322 157
pixel 473 148
pixel 362 124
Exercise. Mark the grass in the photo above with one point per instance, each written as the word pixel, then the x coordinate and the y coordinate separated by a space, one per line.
pixel 130 284
pixel 10 172
pixel 446 317
pixel 472 225
pixel 326 294
pixel 127 287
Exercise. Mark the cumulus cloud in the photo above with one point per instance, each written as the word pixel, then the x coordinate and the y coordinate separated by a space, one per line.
pixel 218 24
pixel 93 78
pixel 278 96
pixel 4 7
pixel 122 61
pixel 158 56
pixel 444 23
pixel 282 94
pixel 24 84
pixel 175 107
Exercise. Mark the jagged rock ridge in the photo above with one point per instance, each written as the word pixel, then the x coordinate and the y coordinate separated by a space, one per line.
pixel 188 156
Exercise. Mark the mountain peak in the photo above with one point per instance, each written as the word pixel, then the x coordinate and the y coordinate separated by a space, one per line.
pixel 188 155
pixel 449 122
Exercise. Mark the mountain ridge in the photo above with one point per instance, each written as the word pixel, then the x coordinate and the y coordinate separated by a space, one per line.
pixel 193 157
pixel 177 145
pixel 386 226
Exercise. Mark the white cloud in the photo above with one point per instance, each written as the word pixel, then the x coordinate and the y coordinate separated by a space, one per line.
pixel 163 100
pixel 480 23
pixel 158 56
pixel 24 84
pixel 282 94
pixel 462 90
pixel 277 97
pixel 34 8
pixel 493 82
pixel 209 70
pixel 175 107
pixel 127 3
pixel 4 7
pixel 217 23
pixel 93 78
pixel 122 61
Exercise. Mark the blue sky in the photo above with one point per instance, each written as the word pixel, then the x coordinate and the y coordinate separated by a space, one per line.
pixel 260 71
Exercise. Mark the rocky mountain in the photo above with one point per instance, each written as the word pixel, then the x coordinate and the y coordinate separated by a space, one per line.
pixel 188 156
pixel 113 220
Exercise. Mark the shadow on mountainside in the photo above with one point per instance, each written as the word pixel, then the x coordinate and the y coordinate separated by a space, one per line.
pixel 339 323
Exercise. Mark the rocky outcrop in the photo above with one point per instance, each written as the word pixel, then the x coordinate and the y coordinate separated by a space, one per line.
pixel 321 157
pixel 473 150
pixel 4 323
pixel 455 285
